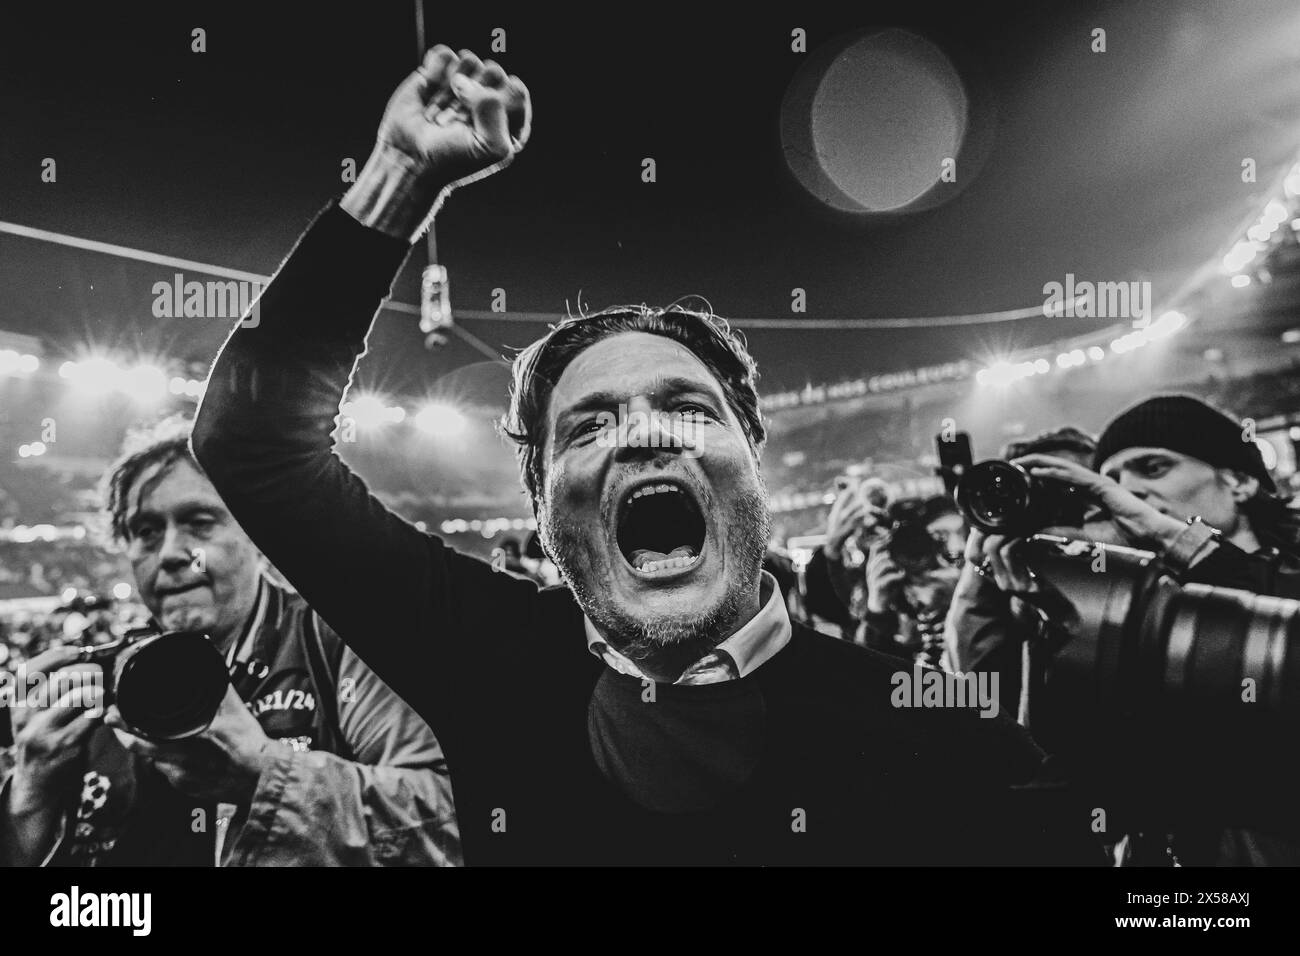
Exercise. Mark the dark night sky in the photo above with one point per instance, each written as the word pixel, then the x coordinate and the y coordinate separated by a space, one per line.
pixel 1118 166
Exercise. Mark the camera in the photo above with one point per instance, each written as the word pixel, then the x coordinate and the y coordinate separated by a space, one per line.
pixel 1000 497
pixel 1173 696
pixel 167 686
pixel 910 542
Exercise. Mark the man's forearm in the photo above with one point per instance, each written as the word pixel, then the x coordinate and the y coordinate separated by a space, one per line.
pixel 979 625
pixel 392 196
pixel 28 832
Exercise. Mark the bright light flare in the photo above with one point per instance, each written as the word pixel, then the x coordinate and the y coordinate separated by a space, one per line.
pixel 144 383
pixel 368 411
pixel 439 420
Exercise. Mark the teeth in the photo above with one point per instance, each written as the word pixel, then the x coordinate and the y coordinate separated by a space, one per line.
pixel 667 564
pixel 652 490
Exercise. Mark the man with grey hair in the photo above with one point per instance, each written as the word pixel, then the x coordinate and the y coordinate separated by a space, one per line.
pixel 311 759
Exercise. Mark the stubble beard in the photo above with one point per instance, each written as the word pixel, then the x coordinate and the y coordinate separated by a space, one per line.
pixel 677 640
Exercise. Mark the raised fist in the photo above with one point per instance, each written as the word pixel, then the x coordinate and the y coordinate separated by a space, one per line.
pixel 457 118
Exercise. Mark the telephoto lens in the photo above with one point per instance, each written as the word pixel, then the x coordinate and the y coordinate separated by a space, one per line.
pixel 166 686
pixel 1173 696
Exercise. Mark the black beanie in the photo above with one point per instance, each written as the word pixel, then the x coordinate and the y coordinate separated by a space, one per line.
pixel 1184 423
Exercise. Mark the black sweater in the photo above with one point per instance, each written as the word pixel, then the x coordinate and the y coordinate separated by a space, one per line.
pixel 554 757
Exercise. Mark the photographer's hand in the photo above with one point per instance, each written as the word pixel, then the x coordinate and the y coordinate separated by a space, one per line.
pixel 999 556
pixel 454 120
pixel 849 514
pixel 844 520
pixel 1138 521
pixel 884 578
pixel 49 751
pixel 220 765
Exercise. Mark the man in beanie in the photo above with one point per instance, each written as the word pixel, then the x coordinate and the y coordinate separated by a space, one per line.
pixel 1181 478
pixel 1188 481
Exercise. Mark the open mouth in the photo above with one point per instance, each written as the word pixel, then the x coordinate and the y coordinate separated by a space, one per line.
pixel 660 528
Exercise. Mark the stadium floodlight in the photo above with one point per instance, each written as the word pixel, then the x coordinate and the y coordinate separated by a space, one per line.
pixel 144 383
pixel 368 411
pixel 1167 324
pixel 440 420
pixel 94 376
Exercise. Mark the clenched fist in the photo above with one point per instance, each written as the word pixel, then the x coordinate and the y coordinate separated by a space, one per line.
pixel 454 120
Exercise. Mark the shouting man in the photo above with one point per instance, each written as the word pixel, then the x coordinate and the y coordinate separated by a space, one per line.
pixel 659 706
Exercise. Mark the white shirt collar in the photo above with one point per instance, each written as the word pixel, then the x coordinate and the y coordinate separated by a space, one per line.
pixel 750 647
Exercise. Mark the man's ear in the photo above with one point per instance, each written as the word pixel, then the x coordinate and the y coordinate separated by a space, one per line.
pixel 1243 486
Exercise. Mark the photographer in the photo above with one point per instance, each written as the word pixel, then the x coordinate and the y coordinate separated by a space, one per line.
pixel 899 590
pixel 1186 481
pixel 311 759
pixel 989 629
pixel 835 592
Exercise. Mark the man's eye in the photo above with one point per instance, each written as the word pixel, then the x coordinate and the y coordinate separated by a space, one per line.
pixel 1153 469
pixel 588 427
pixel 691 412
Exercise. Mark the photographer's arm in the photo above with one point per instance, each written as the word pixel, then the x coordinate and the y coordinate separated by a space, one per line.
pixel 980 632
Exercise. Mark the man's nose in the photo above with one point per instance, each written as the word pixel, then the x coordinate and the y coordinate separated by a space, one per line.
pixel 175 553
pixel 647 433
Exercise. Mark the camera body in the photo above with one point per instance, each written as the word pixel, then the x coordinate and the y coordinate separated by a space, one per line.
pixel 911 545
pixel 1001 497
pixel 167 686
